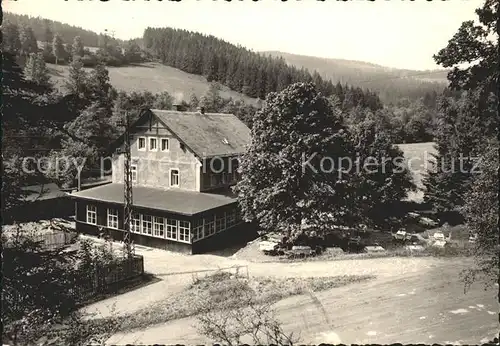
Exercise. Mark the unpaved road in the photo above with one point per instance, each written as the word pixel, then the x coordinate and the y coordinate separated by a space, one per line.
pixel 417 307
pixel 412 300
pixel 175 271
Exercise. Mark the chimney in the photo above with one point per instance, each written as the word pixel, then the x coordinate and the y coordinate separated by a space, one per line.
pixel 179 107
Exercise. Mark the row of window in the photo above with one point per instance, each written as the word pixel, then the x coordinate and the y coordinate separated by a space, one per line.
pixel 172 229
pixel 223 178
pixel 153 144
pixel 207 227
pixel 174 175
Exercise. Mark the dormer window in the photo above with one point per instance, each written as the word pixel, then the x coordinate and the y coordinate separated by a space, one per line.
pixel 225 141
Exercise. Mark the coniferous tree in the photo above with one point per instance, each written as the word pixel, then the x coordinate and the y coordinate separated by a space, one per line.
pixel 76 82
pixel 28 41
pixel 193 102
pixel 36 70
pixel 11 42
pixel 78 48
pixel 58 48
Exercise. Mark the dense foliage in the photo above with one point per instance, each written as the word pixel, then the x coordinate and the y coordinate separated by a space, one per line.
pixel 43 29
pixel 465 121
pixel 468 128
pixel 410 116
pixel 300 167
pixel 238 68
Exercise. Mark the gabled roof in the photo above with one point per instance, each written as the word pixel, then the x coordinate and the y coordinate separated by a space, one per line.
pixel 209 134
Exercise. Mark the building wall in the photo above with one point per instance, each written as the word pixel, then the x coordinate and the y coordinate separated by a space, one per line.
pixel 154 167
pixel 217 240
pixel 219 173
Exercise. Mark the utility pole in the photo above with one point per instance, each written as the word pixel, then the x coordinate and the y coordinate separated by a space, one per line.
pixel 128 200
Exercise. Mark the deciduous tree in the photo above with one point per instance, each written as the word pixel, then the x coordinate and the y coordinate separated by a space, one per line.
pixel 287 178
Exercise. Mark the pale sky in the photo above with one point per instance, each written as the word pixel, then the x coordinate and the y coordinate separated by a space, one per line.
pixel 393 33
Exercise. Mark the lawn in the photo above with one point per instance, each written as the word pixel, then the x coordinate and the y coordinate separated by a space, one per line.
pixel 156 78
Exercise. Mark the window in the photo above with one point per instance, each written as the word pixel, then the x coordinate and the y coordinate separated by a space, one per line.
pixel 209 227
pixel 112 218
pixel 184 231
pixel 171 229
pixel 136 223
pixel 220 223
pixel 213 180
pixel 92 214
pixel 231 218
pixel 147 224
pixel 158 227
pixel 153 145
pixel 165 144
pixel 141 143
pixel 133 170
pixel 197 233
pixel 174 177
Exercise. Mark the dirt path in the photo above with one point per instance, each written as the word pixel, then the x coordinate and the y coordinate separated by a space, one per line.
pixel 175 271
pixel 415 306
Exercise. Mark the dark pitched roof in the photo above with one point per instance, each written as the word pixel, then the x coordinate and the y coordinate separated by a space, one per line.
pixel 173 200
pixel 41 192
pixel 209 134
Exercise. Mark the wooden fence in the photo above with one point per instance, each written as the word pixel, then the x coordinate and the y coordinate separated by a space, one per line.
pixel 51 241
pixel 104 279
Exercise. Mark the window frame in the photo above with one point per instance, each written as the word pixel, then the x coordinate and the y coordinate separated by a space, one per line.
pixel 136 223
pixel 114 220
pixel 164 140
pixel 213 179
pixel 139 142
pixel 144 230
pixel 209 227
pixel 94 212
pixel 197 230
pixel 155 141
pixel 178 177
pixel 184 231
pixel 171 229
pixel 133 169
pixel 158 231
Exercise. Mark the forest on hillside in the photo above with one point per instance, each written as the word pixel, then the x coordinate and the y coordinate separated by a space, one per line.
pixel 408 118
pixel 43 29
pixel 391 84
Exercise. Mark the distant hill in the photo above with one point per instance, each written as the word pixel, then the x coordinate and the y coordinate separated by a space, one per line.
pixel 155 78
pixel 40 25
pixel 247 72
pixel 391 84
